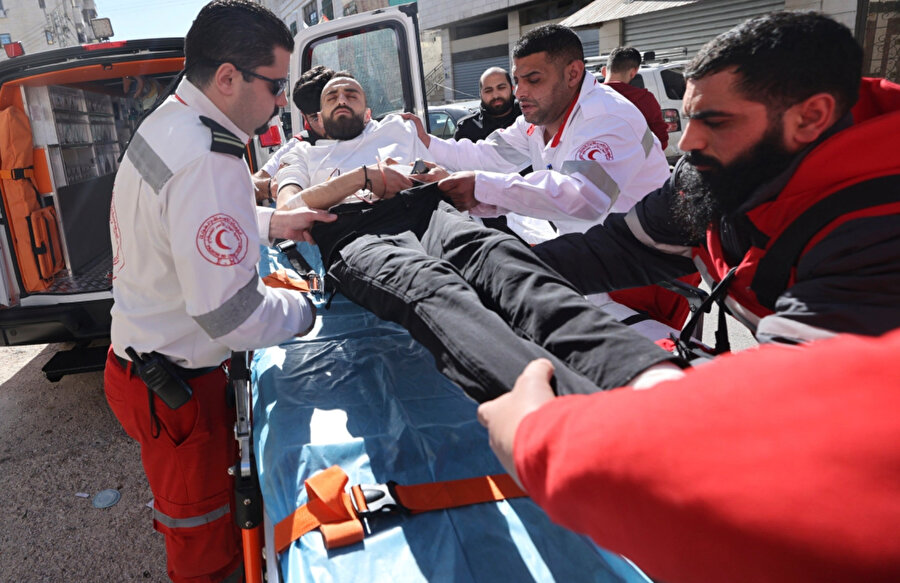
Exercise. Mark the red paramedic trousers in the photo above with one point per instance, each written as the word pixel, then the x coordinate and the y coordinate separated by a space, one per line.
pixel 186 466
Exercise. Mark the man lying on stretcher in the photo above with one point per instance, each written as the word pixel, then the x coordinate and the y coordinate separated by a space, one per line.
pixel 477 299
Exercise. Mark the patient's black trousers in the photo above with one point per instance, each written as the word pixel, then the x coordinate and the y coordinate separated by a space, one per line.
pixel 479 300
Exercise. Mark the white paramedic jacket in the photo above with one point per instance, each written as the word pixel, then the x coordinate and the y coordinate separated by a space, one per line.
pixel 603 159
pixel 186 233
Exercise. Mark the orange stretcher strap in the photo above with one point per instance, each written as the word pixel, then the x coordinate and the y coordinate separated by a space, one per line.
pixel 329 509
pixel 332 510
pixel 281 279
pixel 441 495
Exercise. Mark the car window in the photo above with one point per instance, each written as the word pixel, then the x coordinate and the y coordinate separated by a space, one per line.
pixel 441 124
pixel 673 82
pixel 451 127
pixel 638 81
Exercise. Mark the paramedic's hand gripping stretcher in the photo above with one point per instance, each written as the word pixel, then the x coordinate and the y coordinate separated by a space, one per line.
pixel 160 377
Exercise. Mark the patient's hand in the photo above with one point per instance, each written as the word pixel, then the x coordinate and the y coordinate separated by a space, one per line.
pixel 386 182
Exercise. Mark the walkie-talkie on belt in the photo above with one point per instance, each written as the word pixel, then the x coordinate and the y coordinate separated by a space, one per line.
pixel 160 377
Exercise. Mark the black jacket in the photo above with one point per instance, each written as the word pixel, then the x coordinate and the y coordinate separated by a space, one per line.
pixel 479 125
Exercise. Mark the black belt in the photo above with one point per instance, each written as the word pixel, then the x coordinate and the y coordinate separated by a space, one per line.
pixel 183 373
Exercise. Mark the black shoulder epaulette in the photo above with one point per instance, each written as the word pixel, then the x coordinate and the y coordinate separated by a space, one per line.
pixel 222 140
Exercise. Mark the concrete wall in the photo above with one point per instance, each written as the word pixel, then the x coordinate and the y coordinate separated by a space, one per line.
pixel 844 11
pixel 441 13
pixel 448 65
pixel 610 36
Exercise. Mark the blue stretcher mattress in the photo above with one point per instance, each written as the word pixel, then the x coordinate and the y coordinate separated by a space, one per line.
pixel 359 392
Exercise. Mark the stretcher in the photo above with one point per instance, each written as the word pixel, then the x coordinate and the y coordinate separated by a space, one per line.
pixel 361 394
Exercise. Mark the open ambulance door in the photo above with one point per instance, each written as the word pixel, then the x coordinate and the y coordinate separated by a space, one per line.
pixel 380 48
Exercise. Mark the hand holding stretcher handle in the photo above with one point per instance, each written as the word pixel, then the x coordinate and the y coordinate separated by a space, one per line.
pixel 160 377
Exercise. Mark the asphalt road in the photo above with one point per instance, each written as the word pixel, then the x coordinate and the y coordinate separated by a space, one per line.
pixel 59 440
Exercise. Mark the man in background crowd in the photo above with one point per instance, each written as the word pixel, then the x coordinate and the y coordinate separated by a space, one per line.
pixel 620 69
pixel 498 107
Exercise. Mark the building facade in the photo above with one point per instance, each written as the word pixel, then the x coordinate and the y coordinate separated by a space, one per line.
pixel 41 25
pixel 298 14
pixel 462 38
pixel 477 34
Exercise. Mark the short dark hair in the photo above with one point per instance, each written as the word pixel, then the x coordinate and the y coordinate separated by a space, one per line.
pixel 494 71
pixel 622 59
pixel 307 94
pixel 239 32
pixel 344 73
pixel 559 42
pixel 785 57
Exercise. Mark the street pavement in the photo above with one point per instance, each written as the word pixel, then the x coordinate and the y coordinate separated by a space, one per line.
pixel 58 443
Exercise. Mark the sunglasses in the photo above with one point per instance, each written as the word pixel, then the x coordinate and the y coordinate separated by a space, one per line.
pixel 276 86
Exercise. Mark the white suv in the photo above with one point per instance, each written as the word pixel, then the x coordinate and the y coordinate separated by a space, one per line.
pixel 665 80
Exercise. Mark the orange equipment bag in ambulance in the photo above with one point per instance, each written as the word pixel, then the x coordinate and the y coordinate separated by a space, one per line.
pixel 33 227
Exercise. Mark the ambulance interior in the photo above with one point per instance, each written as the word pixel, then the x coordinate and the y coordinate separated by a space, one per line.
pixel 80 123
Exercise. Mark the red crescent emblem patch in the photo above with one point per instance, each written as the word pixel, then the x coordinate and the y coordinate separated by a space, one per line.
pixel 221 241
pixel 594 150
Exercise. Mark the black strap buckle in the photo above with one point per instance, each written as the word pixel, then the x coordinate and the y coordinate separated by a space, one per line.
pixel 684 342
pixel 19 173
pixel 379 500
pixel 302 266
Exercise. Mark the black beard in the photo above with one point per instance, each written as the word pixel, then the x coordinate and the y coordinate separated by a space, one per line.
pixel 705 197
pixel 344 128
pixel 499 109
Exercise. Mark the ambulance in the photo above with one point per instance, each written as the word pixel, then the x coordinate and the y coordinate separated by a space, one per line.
pixel 66 117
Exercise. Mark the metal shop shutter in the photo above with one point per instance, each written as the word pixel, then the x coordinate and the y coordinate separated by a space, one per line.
pixel 466 74
pixel 590 42
pixel 693 25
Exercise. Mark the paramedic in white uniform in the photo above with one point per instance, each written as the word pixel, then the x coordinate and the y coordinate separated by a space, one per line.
pixel 186 235
pixel 590 148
